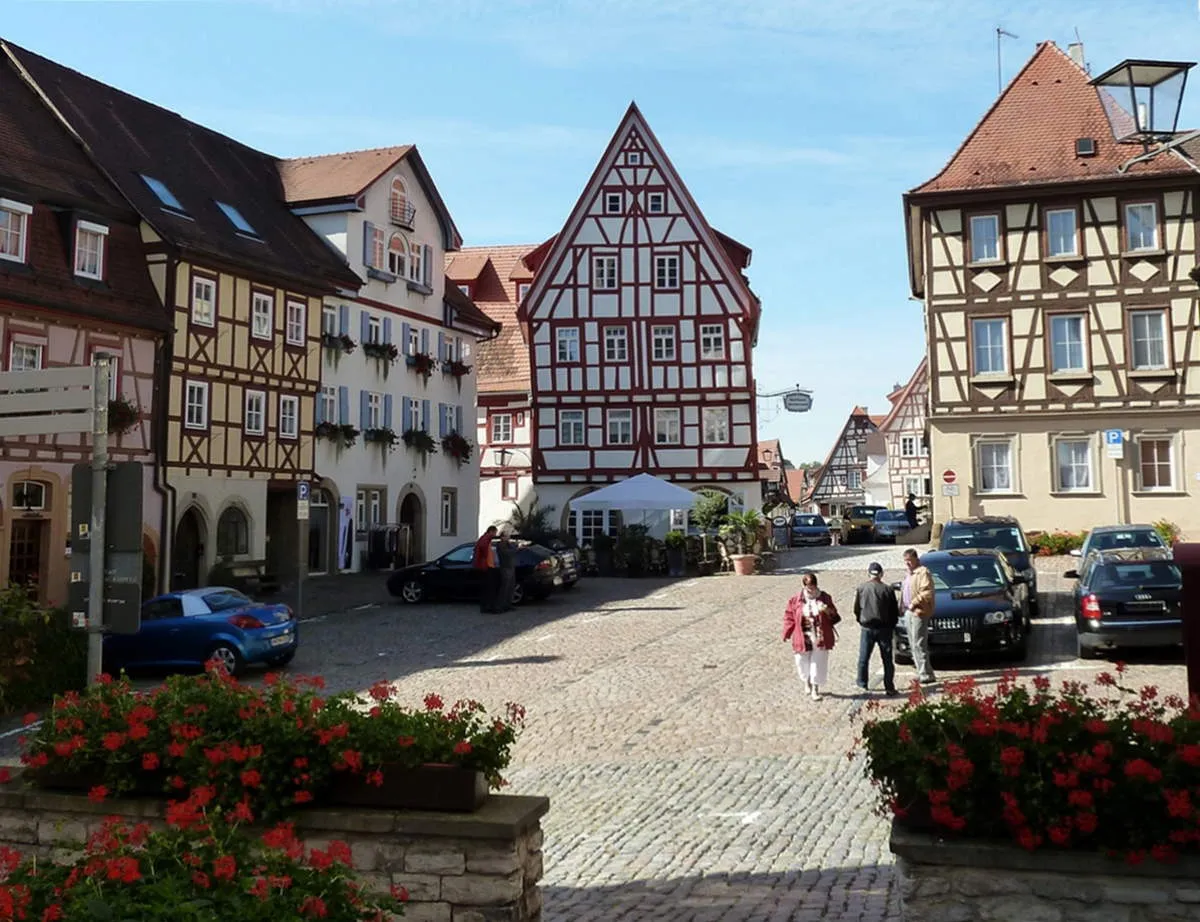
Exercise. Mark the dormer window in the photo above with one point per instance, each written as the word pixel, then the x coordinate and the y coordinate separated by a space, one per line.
pixel 89 249
pixel 522 291
pixel 164 194
pixel 613 202
pixel 235 218
pixel 14 229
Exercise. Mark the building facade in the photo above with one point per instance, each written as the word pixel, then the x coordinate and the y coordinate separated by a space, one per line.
pixel 397 359
pixel 73 283
pixel 1055 265
pixel 907 441
pixel 841 480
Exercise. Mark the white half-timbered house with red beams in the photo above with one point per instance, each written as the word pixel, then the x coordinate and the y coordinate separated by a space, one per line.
pixel 642 326
pixel 908 463
pixel 842 480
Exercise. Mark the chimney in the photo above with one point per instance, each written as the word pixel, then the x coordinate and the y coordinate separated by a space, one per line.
pixel 1075 50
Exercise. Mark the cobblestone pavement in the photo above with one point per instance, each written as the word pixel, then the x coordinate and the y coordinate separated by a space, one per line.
pixel 689 779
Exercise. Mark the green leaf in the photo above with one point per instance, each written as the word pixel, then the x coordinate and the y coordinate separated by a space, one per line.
pixel 98 909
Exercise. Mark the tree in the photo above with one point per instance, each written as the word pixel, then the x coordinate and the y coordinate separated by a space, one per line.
pixel 710 510
pixel 535 523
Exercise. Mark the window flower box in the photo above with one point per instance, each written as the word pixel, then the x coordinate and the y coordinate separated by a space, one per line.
pixel 385 353
pixel 337 342
pixel 344 435
pixel 422 363
pixel 458 370
pixel 382 436
pixel 457 447
pixel 123 415
pixel 420 441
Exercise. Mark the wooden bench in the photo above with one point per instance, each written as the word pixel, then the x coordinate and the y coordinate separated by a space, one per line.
pixel 251 577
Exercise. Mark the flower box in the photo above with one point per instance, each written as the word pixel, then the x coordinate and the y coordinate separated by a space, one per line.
pixel 457 447
pixel 422 363
pixel 337 342
pixel 449 788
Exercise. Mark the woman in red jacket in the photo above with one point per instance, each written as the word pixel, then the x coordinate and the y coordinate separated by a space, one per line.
pixel 808 621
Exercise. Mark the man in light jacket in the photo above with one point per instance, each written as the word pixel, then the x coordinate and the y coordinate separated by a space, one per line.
pixel 917 598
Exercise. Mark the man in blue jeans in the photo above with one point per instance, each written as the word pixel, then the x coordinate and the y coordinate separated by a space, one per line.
pixel 876 611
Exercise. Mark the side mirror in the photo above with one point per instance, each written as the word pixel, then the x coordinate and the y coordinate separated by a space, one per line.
pixel 1019 579
pixel 897 586
pixel 1075 552
pixel 1071 574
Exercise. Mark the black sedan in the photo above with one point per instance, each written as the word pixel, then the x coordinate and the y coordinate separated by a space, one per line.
pixel 979 606
pixel 810 529
pixel 1127 598
pixel 451 576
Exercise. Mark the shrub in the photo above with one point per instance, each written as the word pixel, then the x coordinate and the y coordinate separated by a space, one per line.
pixel 1116 772
pixel 1168 531
pixel 675 539
pixel 1055 543
pixel 41 655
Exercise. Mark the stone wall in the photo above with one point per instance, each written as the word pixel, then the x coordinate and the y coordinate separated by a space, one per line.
pixel 965 881
pixel 458 867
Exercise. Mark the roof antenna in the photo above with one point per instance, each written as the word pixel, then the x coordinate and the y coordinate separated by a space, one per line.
pixel 1000 33
pixel 1087 68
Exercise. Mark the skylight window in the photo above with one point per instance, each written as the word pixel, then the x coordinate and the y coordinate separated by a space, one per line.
pixel 236 219
pixel 165 195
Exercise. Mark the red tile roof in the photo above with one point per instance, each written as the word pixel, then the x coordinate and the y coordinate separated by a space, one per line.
pixel 333 176
pixel 466 267
pixel 1028 135
pixel 796 483
pixel 901 396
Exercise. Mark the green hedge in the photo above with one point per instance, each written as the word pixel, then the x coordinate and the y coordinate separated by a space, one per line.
pixel 40 653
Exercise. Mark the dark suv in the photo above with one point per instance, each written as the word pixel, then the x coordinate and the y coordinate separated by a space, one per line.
pixel 1127 598
pixel 1000 533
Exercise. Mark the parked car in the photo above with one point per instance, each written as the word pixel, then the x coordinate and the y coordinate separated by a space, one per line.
pixel 189 628
pixel 1001 533
pixel 451 576
pixel 1110 537
pixel 980 606
pixel 890 524
pixel 858 523
pixel 810 529
pixel 1127 598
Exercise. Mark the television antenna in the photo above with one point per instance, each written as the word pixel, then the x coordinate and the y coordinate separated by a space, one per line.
pixel 1001 33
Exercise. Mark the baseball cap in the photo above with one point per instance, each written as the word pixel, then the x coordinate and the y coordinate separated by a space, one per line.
pixel 875 569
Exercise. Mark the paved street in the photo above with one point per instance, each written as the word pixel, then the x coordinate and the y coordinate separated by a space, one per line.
pixel 689 779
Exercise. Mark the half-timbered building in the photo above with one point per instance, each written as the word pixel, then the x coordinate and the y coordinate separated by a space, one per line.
pixel 73 283
pixel 1054 253
pixel 641 325
pixel 840 481
pixel 907 442
pixel 771 472
pixel 243 279
pixel 396 360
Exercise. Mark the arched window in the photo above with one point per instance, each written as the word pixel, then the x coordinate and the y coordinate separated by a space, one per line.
pixel 233 533
pixel 29 496
pixel 398 256
pixel 400 210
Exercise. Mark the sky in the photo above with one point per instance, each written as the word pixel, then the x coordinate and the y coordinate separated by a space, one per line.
pixel 796 124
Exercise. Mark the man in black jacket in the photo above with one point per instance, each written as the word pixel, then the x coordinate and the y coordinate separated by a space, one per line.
pixel 876 610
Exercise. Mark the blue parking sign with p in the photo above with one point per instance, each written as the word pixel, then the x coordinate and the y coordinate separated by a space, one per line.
pixel 1113 436
pixel 302 492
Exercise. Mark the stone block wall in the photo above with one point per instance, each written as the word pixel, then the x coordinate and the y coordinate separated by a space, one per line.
pixel 457 867
pixel 967 881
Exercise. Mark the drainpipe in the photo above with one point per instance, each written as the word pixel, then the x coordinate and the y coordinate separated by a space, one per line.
pixel 161 427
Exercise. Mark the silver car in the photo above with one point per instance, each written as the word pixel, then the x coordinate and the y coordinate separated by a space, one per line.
pixel 890 524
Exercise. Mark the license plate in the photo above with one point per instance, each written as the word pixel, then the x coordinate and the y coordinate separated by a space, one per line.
pixel 966 638
pixel 558 581
pixel 281 640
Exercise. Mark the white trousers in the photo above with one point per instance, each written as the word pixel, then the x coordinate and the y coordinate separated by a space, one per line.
pixel 813 666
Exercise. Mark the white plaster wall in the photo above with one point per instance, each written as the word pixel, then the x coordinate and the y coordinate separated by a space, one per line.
pixel 210 495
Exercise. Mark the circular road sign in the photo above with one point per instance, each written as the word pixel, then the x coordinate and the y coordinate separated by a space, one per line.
pixel 949 477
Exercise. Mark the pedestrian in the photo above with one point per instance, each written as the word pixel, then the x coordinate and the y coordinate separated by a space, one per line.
pixel 910 510
pixel 917 600
pixel 808 621
pixel 876 611
pixel 484 559
pixel 506 558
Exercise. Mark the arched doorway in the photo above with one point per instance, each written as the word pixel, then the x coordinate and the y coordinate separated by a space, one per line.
pixel 233 534
pixel 412 529
pixel 188 550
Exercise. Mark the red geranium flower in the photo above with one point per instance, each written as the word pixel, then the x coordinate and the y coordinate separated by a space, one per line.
pixel 150 761
pixel 462 748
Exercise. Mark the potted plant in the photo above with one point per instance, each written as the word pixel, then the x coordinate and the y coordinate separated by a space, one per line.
pixel 457 447
pixel 337 343
pixel 707 515
pixel 676 542
pixel 458 369
pixel 123 415
pixel 421 442
pixel 382 436
pixel 631 549
pixel 386 353
pixel 422 363
pixel 605 546
pixel 343 435
pixel 742 529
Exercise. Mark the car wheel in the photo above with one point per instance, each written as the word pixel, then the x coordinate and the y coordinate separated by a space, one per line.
pixel 518 594
pixel 412 591
pixel 226 656
pixel 281 661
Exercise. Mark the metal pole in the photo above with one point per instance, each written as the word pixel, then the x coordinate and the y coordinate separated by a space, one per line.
pixel 1187 556
pixel 95 618
pixel 301 567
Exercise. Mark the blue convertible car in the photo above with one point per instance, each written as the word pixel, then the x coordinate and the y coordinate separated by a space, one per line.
pixel 189 628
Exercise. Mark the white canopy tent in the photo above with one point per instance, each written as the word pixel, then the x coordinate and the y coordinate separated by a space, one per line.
pixel 644 492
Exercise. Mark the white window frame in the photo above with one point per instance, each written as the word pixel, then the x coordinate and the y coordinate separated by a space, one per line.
pixel 501 429
pixel 375 410
pixel 449 509
pixel 854 479
pixel 572 428
pixel 289 409
pixel 114 371
pixel 1172 462
pixel 374 329
pixel 1065 320
pixel 614 202
pixel 910 446
pixel 566 344
pixel 620 422
pixel 663 346
pixel 296 322
pixel 17 222
pixel 360 511
pixel 1164 333
pixel 605 272
pixel 204 317
pixel 1130 208
pixel 1048 217
pixel 510 488
pixel 994 221
pixel 195 404
pixel 378 240
pixel 417 415
pixel 712 341
pixel 668 426
pixel 39 352
pixel 254 414
pixel 1069 483
pixel 914 485
pixel 984 446
pixel 522 291
pixel 374 507
pixel 666 272
pixel 329 404
pixel 656 197
pixel 397 256
pixel 87 231
pixel 616 344
pixel 416 262
pixel 262 315
pixel 714 425
pixel 329 321
pixel 38 488
pixel 976 325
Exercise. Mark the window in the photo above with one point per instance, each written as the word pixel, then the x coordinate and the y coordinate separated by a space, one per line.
pixel 398 206
pixel 368 507
pixel 522 291
pixel 89 249
pixel 666 426
pixel 449 511
pixel 854 480
pixel 465 289
pixel 374 330
pixel 375 242
pixel 414 341
pixel 114 372
pixel 620 427
pixel 329 321
pixel 329 404
pixel 656 203
pixel 204 301
pixel 416 412
pixel 712 341
pixel 909 446
pixel 716 425
pixel 1156 463
pixel 613 202
pixel 24 357
pixel 995 467
pixel 1148 333
pixel 374 418
pixel 666 272
pixel 297 322
pixel 604 272
pixel 985 238
pixel 616 344
pixel 502 427
pixel 1061 236
pixel 416 266
pixel 164 194
pixel 570 428
pixel 233 533
pixel 29 495
pixel 262 310
pixel 567 344
pixel 14 225
pixel 255 420
pixel 397 257
pixel 1073 465
pixel 662 344
pixel 590 523
pixel 236 219
pixel 1066 343
pixel 289 417
pixel 1141 226
pixel 195 406
pixel 633 158
pixel 915 486
pixel 990 345
pixel 509 488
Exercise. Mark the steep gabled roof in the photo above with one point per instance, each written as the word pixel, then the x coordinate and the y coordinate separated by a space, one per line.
pixel 770 459
pixel 1027 136
pixel 466 267
pixel 857 413
pixel 905 394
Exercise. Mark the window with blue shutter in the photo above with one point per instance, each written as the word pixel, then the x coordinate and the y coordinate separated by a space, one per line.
pixel 320 414
pixel 441 346
pixel 387 411
pixel 387 329
pixel 406 339
pixel 405 414
pixel 458 420
pixel 427 266
pixel 343 405
pixel 364 409
pixel 344 319
pixel 442 433
pixel 368 243
pixel 365 325
pixel 425 342
pixel 425 415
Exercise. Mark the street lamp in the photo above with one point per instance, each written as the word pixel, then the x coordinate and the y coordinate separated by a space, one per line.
pixel 504 455
pixel 1141 99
